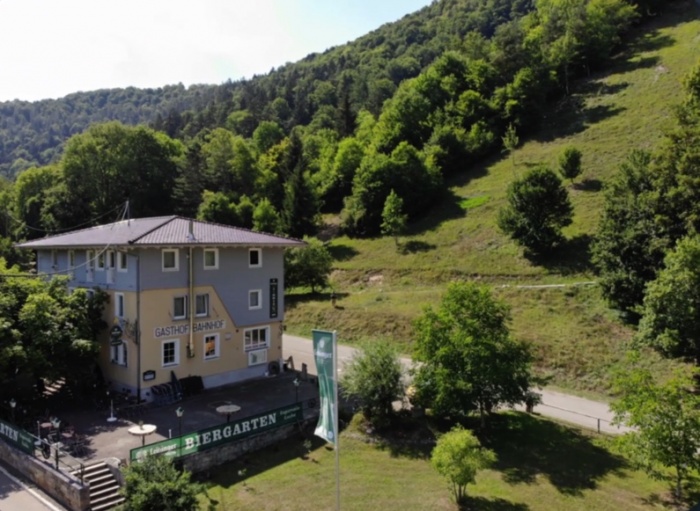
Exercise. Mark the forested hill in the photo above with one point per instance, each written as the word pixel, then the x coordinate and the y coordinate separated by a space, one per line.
pixel 395 113
pixel 319 88
pixel 33 133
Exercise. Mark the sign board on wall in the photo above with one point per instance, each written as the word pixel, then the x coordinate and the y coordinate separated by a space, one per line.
pixel 222 434
pixel 16 436
pixel 149 375
pixel 179 330
pixel 273 298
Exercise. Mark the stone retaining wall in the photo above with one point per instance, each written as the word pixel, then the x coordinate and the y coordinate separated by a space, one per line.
pixel 65 490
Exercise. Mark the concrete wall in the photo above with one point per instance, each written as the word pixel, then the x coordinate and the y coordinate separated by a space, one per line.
pixel 65 490
pixel 206 460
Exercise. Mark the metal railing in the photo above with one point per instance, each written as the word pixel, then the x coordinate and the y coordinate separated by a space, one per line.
pixel 595 423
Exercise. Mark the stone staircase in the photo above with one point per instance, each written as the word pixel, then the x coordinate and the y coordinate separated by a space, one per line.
pixel 104 488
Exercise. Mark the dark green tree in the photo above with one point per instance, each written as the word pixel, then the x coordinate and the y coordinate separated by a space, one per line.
pixel 468 360
pixel 630 244
pixel 670 322
pixel 308 266
pixel 393 217
pixel 217 207
pixel 570 163
pixel 538 208
pixel 665 421
pixel 155 483
pixel 374 377
pixel 300 207
pixel 266 218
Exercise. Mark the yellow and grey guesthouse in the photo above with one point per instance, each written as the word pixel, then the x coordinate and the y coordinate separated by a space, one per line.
pixel 185 296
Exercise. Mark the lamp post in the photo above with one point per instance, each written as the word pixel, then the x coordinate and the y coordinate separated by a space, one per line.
pixel 296 389
pixel 111 417
pixel 13 403
pixel 180 411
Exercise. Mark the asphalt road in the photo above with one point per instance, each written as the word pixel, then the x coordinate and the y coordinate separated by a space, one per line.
pixel 17 496
pixel 595 415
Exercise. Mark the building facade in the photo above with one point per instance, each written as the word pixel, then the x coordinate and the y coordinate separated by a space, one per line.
pixel 186 298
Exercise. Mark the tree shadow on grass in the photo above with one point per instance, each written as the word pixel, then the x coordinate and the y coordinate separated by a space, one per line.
pixel 446 207
pixel 589 185
pixel 291 300
pixel 527 446
pixel 414 246
pixel 261 461
pixel 470 503
pixel 570 257
pixel 341 252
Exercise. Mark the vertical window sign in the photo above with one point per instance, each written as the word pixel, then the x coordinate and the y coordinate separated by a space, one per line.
pixel 273 298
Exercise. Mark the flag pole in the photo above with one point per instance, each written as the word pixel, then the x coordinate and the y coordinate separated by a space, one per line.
pixel 335 422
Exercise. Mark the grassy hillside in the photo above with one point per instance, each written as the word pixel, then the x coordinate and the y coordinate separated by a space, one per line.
pixel 576 338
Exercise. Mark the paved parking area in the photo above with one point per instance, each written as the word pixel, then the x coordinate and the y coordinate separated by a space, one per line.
pixel 112 439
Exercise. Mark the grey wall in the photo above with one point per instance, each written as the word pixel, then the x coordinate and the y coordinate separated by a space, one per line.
pixel 232 281
pixel 123 281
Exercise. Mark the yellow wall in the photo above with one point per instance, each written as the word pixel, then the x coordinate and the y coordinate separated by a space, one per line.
pixel 156 313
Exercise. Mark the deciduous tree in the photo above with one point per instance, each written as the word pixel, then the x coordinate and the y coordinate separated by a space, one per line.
pixel 308 266
pixel 154 483
pixel 393 217
pixel 458 457
pixel 469 361
pixel 670 320
pixel 538 208
pixel 374 377
pixel 666 421
pixel 570 163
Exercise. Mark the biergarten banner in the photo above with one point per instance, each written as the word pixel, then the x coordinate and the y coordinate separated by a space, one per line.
pixel 17 437
pixel 224 433
pixel 324 345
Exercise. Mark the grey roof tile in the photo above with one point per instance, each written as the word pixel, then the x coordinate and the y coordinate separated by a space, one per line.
pixel 160 231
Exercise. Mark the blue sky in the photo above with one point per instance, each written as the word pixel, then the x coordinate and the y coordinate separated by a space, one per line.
pixel 50 48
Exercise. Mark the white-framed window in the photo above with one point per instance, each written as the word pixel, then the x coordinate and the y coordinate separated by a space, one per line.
pixel 256 358
pixel 180 307
pixel 101 261
pixel 211 346
pixel 119 354
pixel 255 258
pixel 111 259
pixel 71 259
pixel 171 259
pixel 256 338
pixel 211 258
pixel 255 299
pixel 54 259
pixel 170 352
pixel 201 305
pixel 122 262
pixel 118 305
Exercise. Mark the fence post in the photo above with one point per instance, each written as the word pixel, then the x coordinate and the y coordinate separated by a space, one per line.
pixel 56 454
pixel 598 425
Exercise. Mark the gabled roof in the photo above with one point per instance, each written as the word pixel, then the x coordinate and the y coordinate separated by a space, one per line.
pixel 161 231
